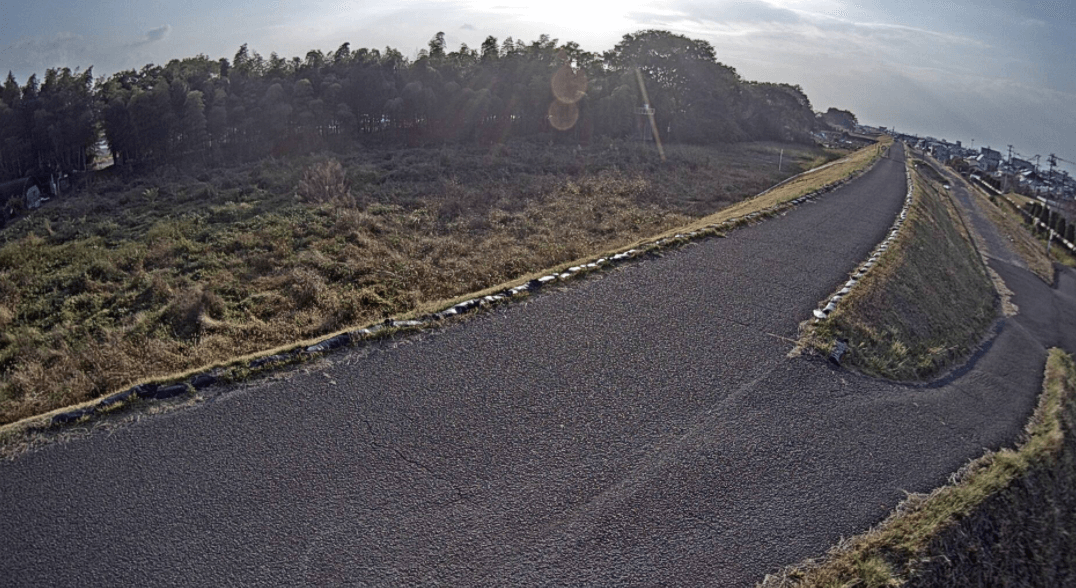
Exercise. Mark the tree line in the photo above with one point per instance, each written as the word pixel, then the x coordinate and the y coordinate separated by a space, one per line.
pixel 47 124
pixel 220 111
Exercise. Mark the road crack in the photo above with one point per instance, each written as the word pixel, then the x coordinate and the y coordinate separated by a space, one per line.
pixel 461 495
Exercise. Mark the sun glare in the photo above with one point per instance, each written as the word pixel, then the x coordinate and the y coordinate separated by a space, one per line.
pixel 597 17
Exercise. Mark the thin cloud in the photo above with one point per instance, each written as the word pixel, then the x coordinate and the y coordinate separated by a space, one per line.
pixel 747 16
pixel 738 11
pixel 922 35
pixel 33 56
pixel 154 36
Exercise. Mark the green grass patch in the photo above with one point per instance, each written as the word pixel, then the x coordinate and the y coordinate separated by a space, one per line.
pixel 927 302
pixel 1005 521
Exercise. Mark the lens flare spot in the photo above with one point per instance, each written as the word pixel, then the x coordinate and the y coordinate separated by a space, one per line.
pixel 563 115
pixel 569 85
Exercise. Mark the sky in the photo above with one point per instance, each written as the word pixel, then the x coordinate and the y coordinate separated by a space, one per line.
pixel 988 73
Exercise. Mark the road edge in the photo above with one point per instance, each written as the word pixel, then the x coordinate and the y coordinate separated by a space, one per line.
pixel 13 436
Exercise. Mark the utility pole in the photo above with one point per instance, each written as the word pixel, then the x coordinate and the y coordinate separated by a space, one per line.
pixel 1010 154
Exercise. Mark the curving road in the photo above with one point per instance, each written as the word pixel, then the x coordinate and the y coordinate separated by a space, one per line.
pixel 643 427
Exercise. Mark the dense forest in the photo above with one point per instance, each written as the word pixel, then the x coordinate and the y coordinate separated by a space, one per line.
pixel 206 111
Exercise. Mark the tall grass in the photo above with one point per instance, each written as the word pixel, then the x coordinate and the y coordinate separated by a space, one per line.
pixel 145 276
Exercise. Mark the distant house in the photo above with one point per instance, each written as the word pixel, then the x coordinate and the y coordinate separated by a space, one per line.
pixel 1021 165
pixel 941 151
pixel 989 159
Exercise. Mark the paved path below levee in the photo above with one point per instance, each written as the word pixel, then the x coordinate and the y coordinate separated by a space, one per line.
pixel 641 427
pixel 1049 314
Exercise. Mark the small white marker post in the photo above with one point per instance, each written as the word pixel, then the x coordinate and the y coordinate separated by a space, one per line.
pixel 780 161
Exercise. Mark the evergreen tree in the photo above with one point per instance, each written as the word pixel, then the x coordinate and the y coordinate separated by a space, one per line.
pixel 193 125
pixel 248 106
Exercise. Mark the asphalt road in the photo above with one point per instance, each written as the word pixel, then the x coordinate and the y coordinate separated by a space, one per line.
pixel 642 427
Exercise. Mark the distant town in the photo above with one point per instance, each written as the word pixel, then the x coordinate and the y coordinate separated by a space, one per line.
pixel 1003 171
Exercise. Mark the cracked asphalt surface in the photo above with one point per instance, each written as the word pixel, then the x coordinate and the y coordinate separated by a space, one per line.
pixel 641 427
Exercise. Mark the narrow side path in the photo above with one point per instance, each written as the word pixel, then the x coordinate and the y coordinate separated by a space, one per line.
pixel 1049 314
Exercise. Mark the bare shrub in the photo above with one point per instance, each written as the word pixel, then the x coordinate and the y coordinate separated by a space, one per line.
pixel 6 316
pixel 306 287
pixel 325 183
pixel 185 314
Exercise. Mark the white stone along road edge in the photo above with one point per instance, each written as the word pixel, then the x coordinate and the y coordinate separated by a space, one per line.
pixel 822 313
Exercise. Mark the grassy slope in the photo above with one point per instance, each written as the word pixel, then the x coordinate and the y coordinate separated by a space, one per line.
pixel 137 280
pixel 926 303
pixel 1004 522
pixel 824 174
pixel 1057 253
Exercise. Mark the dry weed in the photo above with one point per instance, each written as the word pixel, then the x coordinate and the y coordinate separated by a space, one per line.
pixel 136 287
pixel 325 182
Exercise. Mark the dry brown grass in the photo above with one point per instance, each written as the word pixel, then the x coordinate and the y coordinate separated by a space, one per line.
pixel 1056 252
pixel 147 278
pixel 1008 222
pixel 325 181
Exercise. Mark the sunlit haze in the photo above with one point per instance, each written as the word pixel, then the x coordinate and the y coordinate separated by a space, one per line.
pixel 994 72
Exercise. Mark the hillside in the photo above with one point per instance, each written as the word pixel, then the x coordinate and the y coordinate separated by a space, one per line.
pixel 148 276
